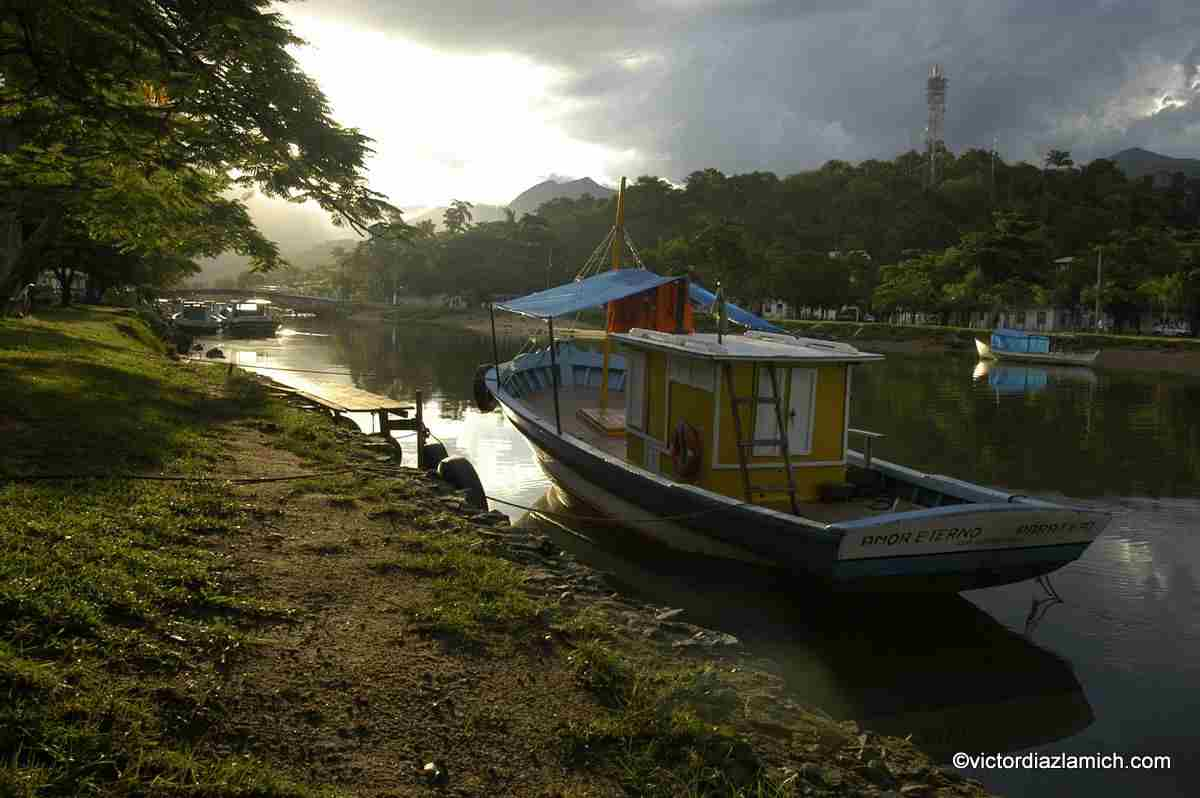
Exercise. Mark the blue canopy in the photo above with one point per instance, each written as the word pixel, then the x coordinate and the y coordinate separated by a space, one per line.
pixel 582 294
pixel 610 286
pixel 705 298
pixel 1019 341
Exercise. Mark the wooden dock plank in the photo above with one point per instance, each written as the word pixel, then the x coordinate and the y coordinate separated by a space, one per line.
pixel 348 399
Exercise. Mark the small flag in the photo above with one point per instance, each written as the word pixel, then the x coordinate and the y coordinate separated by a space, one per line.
pixel 719 309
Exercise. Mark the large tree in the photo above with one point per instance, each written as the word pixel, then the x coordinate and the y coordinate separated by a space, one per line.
pixel 170 106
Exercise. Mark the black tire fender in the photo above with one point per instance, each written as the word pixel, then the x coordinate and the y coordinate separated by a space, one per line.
pixel 432 454
pixel 484 400
pixel 459 472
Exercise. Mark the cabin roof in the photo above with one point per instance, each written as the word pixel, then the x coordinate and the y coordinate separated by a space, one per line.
pixel 752 346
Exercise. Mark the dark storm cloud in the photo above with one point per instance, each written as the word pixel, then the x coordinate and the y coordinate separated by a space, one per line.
pixel 785 86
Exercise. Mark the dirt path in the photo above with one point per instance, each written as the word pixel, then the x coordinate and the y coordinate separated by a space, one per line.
pixel 430 649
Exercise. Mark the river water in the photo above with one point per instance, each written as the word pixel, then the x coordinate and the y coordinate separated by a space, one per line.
pixel 1103 659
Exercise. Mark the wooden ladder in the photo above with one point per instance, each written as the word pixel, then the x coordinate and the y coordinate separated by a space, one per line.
pixel 744 443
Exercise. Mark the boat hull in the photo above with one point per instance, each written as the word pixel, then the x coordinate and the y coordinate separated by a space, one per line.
pixel 251 329
pixel 198 327
pixel 993 538
pixel 987 352
pixel 1058 358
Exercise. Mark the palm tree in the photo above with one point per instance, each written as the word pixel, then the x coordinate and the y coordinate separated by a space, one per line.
pixel 457 217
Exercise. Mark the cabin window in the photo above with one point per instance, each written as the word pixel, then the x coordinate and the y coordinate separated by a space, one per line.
pixel 799 388
pixel 694 372
pixel 635 390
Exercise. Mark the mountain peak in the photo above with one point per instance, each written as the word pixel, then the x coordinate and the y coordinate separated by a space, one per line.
pixel 1137 162
pixel 529 200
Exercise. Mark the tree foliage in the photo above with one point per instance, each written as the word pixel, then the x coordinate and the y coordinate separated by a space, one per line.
pixel 992 236
pixel 136 122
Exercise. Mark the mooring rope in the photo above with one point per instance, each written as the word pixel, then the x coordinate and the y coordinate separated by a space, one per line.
pixel 613 519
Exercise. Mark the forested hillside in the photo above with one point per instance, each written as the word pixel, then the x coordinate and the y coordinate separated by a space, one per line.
pixel 986 237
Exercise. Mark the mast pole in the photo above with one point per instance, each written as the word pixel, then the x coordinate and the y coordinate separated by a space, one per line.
pixel 619 229
pixel 618 244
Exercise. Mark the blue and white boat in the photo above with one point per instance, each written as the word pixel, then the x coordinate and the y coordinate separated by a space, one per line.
pixel 196 319
pixel 736 446
pixel 1030 348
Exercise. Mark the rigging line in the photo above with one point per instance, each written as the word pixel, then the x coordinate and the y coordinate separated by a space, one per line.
pixel 636 257
pixel 594 257
pixel 593 261
pixel 383 470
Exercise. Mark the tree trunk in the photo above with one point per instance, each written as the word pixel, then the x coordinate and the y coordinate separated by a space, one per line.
pixel 65 278
pixel 25 266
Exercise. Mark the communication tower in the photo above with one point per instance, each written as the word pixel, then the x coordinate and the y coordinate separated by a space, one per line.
pixel 935 95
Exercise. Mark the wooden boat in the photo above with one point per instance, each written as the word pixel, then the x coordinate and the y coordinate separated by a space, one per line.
pixel 251 318
pixel 196 319
pixel 736 446
pixel 1029 348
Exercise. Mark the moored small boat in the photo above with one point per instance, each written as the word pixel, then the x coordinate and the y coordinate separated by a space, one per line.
pixel 736 446
pixel 1030 348
pixel 196 319
pixel 251 318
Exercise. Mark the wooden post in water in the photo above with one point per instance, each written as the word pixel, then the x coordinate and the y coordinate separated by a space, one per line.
pixel 554 376
pixel 385 425
pixel 420 432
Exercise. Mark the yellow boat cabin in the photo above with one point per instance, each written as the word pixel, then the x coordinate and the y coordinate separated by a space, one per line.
pixel 759 416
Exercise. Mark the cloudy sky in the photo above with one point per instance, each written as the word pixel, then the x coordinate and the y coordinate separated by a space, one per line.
pixel 478 100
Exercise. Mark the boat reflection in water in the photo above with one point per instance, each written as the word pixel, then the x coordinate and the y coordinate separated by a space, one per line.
pixel 931 665
pixel 1014 380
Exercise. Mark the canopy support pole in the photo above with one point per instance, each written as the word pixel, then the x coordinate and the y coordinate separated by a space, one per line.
pixel 554 376
pixel 495 352
pixel 604 376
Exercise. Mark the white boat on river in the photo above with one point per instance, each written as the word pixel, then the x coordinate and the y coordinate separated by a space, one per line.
pixel 251 318
pixel 736 446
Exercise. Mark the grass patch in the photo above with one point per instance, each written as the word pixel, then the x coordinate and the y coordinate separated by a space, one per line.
pixel 111 594
pixel 664 729
pixel 474 592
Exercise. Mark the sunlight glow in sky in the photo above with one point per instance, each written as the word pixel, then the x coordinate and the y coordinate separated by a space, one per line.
pixel 481 128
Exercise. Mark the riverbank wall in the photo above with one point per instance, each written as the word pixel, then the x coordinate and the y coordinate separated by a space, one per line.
pixel 208 583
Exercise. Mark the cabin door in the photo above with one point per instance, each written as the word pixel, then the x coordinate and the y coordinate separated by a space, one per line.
pixel 801 393
pixel 798 386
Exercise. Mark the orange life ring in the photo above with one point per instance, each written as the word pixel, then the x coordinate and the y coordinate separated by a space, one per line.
pixel 686 450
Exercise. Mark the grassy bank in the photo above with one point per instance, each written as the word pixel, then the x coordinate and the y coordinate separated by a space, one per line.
pixel 112 595
pixel 217 630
